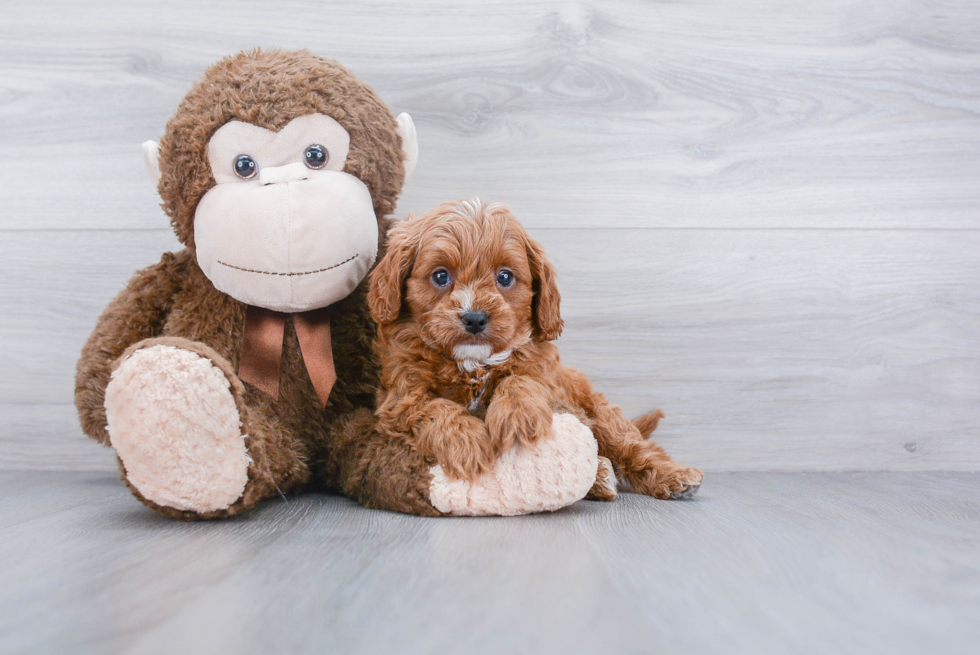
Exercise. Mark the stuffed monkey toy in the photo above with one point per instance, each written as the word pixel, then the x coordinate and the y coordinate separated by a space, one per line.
pixel 241 367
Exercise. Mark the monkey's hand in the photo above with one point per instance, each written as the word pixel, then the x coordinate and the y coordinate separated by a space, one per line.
pixel 553 473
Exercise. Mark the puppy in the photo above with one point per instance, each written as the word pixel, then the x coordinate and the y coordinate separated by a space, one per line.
pixel 467 308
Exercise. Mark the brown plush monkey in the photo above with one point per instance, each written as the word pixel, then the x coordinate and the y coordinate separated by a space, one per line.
pixel 241 367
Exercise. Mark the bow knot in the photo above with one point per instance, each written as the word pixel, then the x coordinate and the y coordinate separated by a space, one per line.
pixel 262 349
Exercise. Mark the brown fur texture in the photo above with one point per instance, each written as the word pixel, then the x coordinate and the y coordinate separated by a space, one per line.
pixel 463 415
pixel 291 441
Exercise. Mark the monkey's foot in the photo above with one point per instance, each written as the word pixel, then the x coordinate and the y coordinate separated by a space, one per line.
pixel 554 473
pixel 174 424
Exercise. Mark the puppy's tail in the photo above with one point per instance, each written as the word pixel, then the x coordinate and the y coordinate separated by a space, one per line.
pixel 647 423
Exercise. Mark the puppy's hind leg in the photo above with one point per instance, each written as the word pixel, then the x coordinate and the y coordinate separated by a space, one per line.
pixel 643 463
pixel 652 472
pixel 605 482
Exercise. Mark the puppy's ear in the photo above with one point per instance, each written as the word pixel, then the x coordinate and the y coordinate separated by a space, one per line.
pixel 545 307
pixel 388 277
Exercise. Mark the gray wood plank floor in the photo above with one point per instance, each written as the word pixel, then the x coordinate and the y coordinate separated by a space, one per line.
pixel 757 563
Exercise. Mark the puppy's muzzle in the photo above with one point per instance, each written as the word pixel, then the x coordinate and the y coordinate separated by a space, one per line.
pixel 475 322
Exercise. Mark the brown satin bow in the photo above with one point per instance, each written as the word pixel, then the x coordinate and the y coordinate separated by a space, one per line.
pixel 262 349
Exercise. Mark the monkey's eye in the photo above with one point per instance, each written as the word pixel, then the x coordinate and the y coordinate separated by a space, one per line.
pixel 245 167
pixel 316 156
pixel 440 277
pixel 505 278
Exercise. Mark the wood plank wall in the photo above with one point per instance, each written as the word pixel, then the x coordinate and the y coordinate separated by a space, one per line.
pixel 766 215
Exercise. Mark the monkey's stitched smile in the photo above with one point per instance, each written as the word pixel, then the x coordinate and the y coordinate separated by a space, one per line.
pixel 319 270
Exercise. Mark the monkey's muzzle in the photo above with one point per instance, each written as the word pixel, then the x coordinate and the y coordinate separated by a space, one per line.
pixel 285 242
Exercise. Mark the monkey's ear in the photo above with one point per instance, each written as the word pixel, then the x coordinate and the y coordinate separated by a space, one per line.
pixel 546 312
pixel 388 277
pixel 151 157
pixel 410 142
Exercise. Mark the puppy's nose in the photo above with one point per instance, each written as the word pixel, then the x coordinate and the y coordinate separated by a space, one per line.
pixel 475 322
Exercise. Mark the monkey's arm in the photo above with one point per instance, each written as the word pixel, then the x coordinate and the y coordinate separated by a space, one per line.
pixel 137 313
pixel 383 472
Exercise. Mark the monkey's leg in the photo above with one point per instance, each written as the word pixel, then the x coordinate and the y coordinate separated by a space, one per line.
pixel 376 470
pixel 138 312
pixel 386 472
pixel 188 444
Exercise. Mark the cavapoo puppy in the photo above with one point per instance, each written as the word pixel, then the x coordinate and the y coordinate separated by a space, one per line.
pixel 467 308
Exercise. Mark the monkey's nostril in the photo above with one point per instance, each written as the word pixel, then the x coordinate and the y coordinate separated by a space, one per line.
pixel 475 322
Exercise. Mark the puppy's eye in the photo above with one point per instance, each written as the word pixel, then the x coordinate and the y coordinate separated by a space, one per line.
pixel 505 278
pixel 245 167
pixel 316 156
pixel 440 277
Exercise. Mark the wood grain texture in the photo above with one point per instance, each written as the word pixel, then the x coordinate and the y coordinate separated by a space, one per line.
pixel 765 214
pixel 768 349
pixel 752 114
pixel 757 563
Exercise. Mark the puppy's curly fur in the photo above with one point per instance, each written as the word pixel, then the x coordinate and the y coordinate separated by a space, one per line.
pixel 467 308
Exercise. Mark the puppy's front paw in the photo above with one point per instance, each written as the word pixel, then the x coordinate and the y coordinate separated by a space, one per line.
pixel 670 482
pixel 512 422
pixel 466 451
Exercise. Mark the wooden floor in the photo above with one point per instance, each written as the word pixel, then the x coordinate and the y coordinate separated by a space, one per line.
pixel 757 563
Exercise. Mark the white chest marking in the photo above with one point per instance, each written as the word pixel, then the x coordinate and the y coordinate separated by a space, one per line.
pixel 472 356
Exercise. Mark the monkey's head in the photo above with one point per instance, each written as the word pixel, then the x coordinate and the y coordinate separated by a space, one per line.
pixel 276 169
